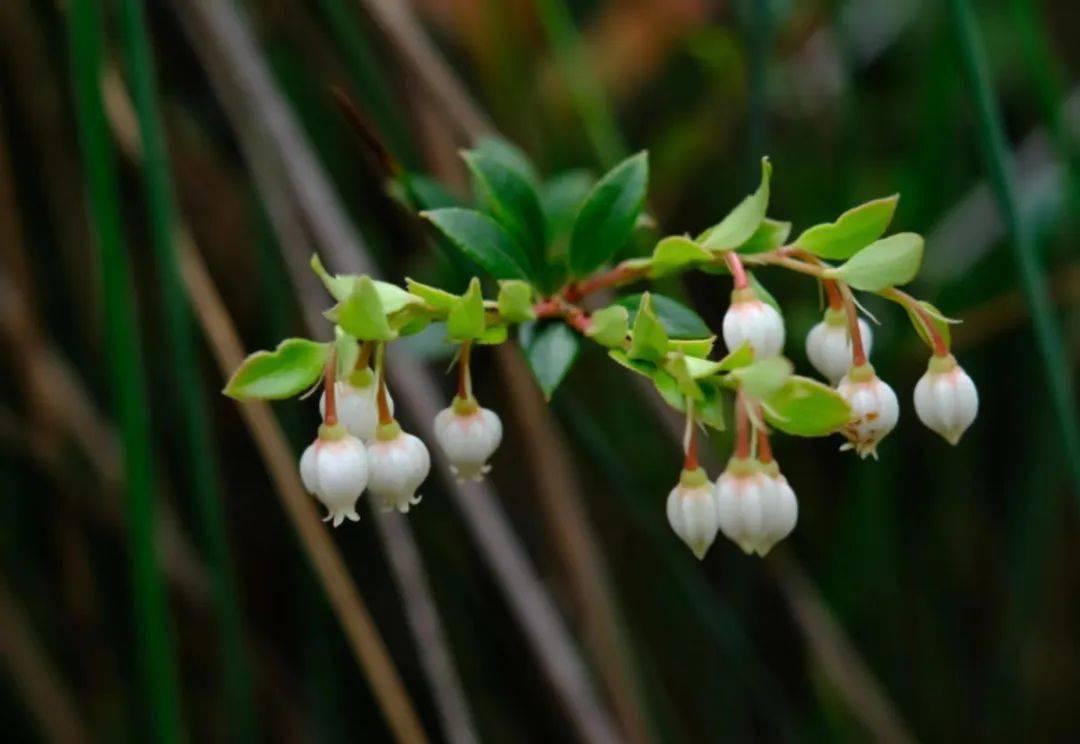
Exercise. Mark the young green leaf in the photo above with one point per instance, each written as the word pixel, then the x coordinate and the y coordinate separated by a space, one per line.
pixel 483 240
pixel 679 320
pixel 610 326
pixel 741 357
pixel 710 409
pixel 889 262
pixel 806 408
pixel 435 298
pixel 466 319
pixel 551 349
pixel 700 368
pixel 743 221
pixel 693 347
pixel 291 368
pixel 339 286
pixel 608 215
pixel 769 236
pixel 561 198
pixel 512 201
pixel 853 230
pixel 509 155
pixel 515 301
pixel 362 315
pixel 649 340
pixel 643 368
pixel 675 253
pixel 762 379
pixel 675 365
pixel 347 351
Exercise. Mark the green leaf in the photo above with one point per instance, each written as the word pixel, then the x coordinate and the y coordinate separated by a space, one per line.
pixel 699 368
pixel 515 301
pixel 679 320
pixel 853 230
pixel 435 298
pixel 466 319
pixel 649 340
pixel 291 368
pixel 610 326
pixel 694 347
pixel 347 350
pixel 494 335
pixel 762 379
pixel 362 315
pixel 769 236
pixel 806 408
pixel 939 320
pixel 743 221
pixel 741 357
pixel 889 262
pixel 608 215
pixel 646 369
pixel 561 198
pixel 483 240
pixel 511 199
pixel 427 193
pixel 508 155
pixel 676 366
pixel 551 349
pixel 339 286
pixel 675 253
pixel 710 409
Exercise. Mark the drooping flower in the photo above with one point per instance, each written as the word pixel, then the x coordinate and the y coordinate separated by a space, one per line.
pixel 356 406
pixel 692 512
pixel 874 409
pixel 334 468
pixel 469 436
pixel 749 320
pixel 398 463
pixel 946 399
pixel 755 505
pixel 828 345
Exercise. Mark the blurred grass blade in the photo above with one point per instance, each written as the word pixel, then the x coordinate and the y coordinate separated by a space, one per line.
pixel 190 401
pixel 152 625
pixel 592 106
pixel 1048 335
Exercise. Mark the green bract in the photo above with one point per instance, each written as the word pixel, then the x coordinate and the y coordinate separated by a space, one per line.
pixel 294 366
pixel 769 236
pixel 515 301
pixel 361 314
pixel 679 321
pixel 763 378
pixel 806 408
pixel 648 340
pixel 610 326
pixel 608 215
pixel 466 319
pixel 677 253
pixel 854 230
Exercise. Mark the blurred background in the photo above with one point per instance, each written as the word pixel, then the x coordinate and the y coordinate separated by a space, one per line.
pixel 166 171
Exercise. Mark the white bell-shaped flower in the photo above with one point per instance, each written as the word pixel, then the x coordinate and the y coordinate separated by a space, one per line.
pixel 874 409
pixel 398 464
pixel 691 511
pixel 755 505
pixel 334 468
pixel 469 436
pixel 356 406
pixel 828 345
pixel 749 320
pixel 946 399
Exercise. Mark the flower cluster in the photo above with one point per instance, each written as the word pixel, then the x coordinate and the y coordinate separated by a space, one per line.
pixel 362 446
pixel 545 267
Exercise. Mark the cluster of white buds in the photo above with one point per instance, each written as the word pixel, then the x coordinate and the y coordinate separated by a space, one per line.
pixel 755 505
pixel 748 320
pixel 468 436
pixel 828 345
pixel 946 399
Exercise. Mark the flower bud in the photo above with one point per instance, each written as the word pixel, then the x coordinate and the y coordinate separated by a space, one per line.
pixel 399 463
pixel 874 409
pixel 469 436
pixel 946 399
pixel 334 468
pixel 828 345
pixel 748 319
pixel 755 505
pixel 691 511
pixel 356 407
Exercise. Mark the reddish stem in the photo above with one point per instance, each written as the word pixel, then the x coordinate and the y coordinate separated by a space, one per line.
pixel 556 307
pixel 764 449
pixel 836 300
pixel 690 462
pixel 742 427
pixel 858 352
pixel 363 359
pixel 579 320
pixel 549 308
pixel 385 417
pixel 329 386
pixel 464 382
pixel 941 348
pixel 735 266
pixel 621 274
